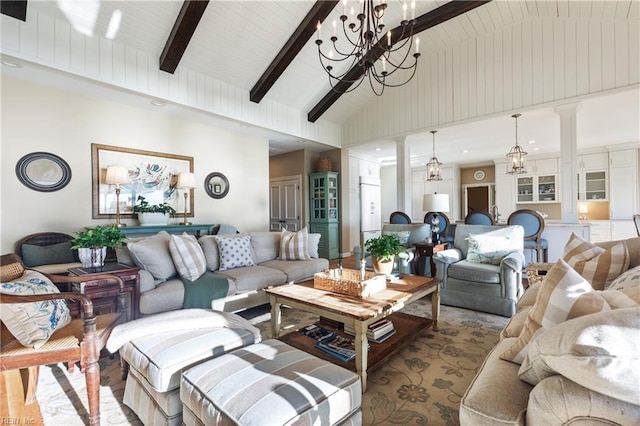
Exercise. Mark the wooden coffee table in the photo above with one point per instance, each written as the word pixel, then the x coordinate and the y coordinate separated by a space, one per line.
pixel 359 313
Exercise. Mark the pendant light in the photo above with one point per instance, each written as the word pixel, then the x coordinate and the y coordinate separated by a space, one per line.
pixel 434 167
pixel 516 158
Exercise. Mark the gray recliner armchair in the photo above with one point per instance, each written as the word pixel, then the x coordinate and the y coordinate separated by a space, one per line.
pixel 480 284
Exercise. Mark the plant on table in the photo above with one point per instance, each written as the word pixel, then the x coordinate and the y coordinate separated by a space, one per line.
pixel 92 244
pixel 383 250
pixel 143 206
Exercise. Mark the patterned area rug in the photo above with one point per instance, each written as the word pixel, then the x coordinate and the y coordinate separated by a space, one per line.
pixel 421 384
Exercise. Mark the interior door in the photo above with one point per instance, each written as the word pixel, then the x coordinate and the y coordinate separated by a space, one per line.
pixel 478 198
pixel 284 204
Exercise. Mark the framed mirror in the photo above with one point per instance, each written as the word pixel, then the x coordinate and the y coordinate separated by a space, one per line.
pixel 44 172
pixel 216 185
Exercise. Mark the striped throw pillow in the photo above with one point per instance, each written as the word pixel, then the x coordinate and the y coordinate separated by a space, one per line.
pixel 597 265
pixel 188 256
pixel 564 295
pixel 294 245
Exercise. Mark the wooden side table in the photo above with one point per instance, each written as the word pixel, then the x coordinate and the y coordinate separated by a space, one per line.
pixel 427 250
pixel 104 294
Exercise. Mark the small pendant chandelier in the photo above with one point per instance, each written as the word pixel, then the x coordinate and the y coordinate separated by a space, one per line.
pixel 516 158
pixel 434 167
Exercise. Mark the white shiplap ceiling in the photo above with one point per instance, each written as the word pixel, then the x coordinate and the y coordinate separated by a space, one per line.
pixel 236 41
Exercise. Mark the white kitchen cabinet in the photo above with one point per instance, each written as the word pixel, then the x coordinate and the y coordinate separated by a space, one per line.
pixel 593 177
pixel 597 161
pixel 622 229
pixel 545 166
pixel 537 189
pixel 558 234
pixel 369 169
pixel 600 230
pixel 623 184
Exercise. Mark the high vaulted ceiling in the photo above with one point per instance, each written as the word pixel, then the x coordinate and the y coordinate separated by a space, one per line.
pixel 235 41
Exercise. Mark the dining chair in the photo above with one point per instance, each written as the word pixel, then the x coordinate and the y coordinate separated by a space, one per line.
pixel 478 218
pixel 533 224
pixel 399 218
pixel 636 220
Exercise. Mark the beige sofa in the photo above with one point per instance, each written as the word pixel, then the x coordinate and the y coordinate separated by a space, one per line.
pixel 161 290
pixel 600 350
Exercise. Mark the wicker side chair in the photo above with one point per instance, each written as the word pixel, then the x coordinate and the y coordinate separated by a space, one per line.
pixel 80 341
pixel 55 261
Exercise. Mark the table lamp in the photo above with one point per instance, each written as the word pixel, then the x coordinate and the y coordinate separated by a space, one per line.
pixel 186 181
pixel 437 203
pixel 117 175
pixel 583 209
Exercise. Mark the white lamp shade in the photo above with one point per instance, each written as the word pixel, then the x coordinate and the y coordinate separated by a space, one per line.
pixel 186 180
pixel 117 175
pixel 583 208
pixel 435 203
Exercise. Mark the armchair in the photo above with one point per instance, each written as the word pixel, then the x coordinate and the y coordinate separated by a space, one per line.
pixel 81 340
pixel 483 270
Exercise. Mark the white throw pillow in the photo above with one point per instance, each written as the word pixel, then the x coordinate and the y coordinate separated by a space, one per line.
pixel 188 256
pixel 235 252
pixel 493 246
pixel 294 245
pixel 599 351
pixel 33 323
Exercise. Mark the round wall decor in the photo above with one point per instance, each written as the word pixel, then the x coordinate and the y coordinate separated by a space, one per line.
pixel 216 185
pixel 478 174
pixel 42 171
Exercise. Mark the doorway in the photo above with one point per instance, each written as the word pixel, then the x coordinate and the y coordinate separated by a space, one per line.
pixel 285 203
pixel 478 198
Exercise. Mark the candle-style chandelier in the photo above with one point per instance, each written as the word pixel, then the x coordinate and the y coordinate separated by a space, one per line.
pixel 517 157
pixel 434 166
pixel 368 47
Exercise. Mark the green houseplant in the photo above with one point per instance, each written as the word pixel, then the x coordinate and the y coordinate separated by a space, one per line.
pixel 92 244
pixel 384 250
pixel 152 214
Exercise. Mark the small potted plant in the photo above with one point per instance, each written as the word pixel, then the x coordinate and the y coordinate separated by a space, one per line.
pixel 92 244
pixel 384 250
pixel 152 214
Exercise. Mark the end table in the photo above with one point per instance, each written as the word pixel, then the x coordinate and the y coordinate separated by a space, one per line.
pixel 104 294
pixel 427 250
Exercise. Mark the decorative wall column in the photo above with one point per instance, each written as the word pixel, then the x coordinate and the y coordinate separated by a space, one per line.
pixel 568 161
pixel 403 170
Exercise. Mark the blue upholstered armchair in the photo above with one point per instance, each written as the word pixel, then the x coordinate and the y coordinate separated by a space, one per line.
pixel 483 270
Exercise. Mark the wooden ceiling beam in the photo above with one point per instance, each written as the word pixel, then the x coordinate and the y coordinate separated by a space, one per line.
pixel 292 47
pixel 183 29
pixel 422 23
pixel 14 8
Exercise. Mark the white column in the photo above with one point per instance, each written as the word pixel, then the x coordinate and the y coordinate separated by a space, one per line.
pixel 568 162
pixel 403 175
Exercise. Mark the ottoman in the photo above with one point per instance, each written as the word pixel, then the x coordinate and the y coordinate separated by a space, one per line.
pixel 155 361
pixel 269 383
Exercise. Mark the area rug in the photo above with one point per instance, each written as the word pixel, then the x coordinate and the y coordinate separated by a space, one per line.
pixel 422 384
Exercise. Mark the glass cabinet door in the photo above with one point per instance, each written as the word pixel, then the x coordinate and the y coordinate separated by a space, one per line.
pixel 525 189
pixel 547 188
pixel 595 185
pixel 333 197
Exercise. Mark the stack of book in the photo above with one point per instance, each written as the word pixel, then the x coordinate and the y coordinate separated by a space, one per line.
pixel 330 342
pixel 377 332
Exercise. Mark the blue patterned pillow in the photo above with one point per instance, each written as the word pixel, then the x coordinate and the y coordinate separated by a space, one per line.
pixel 33 323
pixel 235 252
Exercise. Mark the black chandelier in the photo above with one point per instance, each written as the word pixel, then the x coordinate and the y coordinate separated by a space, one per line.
pixel 369 48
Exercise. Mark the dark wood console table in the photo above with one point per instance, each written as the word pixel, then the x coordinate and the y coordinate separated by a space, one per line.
pixel 427 250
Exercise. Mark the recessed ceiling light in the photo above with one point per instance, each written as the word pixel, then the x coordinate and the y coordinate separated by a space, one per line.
pixel 11 63
pixel 158 103
pixel 464 151
pixel 378 149
pixel 532 141
pixel 244 126
pixel 536 149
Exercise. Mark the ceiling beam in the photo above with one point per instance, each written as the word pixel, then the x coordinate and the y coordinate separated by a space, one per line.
pixel 183 29
pixel 14 8
pixel 292 47
pixel 422 22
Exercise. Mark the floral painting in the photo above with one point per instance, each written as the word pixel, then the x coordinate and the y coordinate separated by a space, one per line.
pixel 153 175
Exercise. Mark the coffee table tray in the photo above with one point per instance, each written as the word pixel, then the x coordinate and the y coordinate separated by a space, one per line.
pixel 406 326
pixel 350 282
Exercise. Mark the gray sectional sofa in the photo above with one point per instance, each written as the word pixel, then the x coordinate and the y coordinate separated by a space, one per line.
pixel 161 290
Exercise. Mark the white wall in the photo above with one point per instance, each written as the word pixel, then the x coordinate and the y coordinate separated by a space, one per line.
pixel 37 118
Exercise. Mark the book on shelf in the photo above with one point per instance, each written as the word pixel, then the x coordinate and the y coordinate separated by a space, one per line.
pixel 332 343
pixel 375 331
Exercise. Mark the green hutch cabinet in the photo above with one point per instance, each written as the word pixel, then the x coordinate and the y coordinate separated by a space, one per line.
pixel 323 187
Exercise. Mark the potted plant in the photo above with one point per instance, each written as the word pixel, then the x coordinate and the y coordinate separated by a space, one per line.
pixel 152 214
pixel 92 244
pixel 384 250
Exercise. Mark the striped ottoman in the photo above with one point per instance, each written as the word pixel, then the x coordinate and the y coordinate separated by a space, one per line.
pixel 156 362
pixel 269 383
